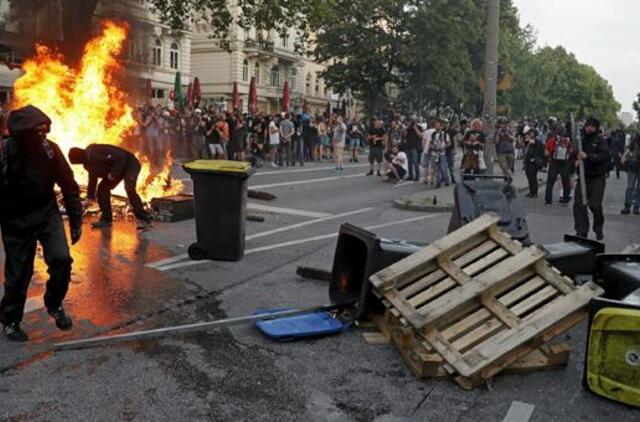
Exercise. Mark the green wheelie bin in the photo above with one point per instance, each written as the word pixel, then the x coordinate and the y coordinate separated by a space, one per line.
pixel 220 199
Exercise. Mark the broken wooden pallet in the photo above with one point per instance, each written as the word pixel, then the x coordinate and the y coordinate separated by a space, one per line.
pixel 480 299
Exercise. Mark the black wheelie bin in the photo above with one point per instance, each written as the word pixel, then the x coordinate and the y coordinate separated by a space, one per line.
pixel 220 196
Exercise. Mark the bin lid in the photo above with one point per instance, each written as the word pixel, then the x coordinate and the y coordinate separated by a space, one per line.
pixel 234 168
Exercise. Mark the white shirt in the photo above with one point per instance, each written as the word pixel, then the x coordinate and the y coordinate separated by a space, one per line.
pixel 426 139
pixel 274 135
pixel 401 160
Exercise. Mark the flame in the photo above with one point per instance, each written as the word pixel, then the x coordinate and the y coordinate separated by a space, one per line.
pixel 86 104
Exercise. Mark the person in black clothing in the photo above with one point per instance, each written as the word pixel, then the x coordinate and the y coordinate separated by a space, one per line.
pixel 376 138
pixel 113 165
pixel 596 158
pixel 616 146
pixel 533 160
pixel 30 165
pixel 413 147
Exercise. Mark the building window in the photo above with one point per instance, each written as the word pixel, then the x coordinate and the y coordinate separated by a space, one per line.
pixel 308 86
pixel 174 56
pixel 293 78
pixel 256 73
pixel 157 53
pixel 159 94
pixel 317 86
pixel 275 76
pixel 245 70
pixel 285 40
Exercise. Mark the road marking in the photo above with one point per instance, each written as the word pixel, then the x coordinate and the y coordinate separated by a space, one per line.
pixel 296 242
pixel 181 257
pixel 274 172
pixel 289 211
pixel 305 182
pixel 519 412
pixel 405 183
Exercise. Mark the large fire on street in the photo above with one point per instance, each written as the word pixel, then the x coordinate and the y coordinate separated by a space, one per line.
pixel 87 105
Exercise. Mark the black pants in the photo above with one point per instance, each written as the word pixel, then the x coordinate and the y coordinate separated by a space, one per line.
pixel 531 170
pixel 130 181
pixel 20 236
pixel 563 169
pixel 595 194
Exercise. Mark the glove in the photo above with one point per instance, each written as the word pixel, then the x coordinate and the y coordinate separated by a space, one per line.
pixel 76 234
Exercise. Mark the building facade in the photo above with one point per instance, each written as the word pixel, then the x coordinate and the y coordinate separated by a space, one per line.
pixel 268 57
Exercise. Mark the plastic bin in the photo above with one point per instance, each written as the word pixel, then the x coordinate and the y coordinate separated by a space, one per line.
pixel 220 196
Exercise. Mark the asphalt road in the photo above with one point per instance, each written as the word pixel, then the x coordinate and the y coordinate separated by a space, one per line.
pixel 124 281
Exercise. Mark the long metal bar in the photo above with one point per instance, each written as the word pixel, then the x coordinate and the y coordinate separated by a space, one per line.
pixel 578 139
pixel 189 328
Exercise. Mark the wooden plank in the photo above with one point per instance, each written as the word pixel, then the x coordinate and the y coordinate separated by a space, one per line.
pixel 544 357
pixel 443 347
pixel 478 335
pixel 536 299
pixel 432 292
pixel 376 339
pixel 432 268
pixel 415 265
pixel 500 311
pixel 466 324
pixel 438 275
pixel 554 277
pixel 504 240
pixel 446 304
pixel 521 291
pixel 503 343
pixel 455 273
pixel 405 308
pixel 486 262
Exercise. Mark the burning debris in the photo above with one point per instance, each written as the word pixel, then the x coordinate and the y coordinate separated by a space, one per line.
pixel 88 106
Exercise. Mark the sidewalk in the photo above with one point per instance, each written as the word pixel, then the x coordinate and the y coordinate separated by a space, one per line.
pixel 441 200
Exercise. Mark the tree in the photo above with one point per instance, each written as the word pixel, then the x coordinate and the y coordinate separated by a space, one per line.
pixel 636 106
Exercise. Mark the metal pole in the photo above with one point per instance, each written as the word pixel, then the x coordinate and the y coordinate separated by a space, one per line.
pixel 578 139
pixel 491 80
pixel 182 329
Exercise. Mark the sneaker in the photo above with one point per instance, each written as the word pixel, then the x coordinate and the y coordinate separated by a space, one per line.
pixel 275 166
pixel 63 322
pixel 626 210
pixel 143 225
pixel 369 173
pixel 378 174
pixel 636 211
pixel 13 332
pixel 101 224
pixel 599 236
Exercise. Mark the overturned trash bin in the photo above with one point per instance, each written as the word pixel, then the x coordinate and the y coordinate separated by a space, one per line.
pixel 220 194
pixel 359 254
pixel 575 256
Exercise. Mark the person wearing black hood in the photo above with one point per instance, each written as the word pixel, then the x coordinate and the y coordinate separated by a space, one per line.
pixel 113 165
pixel 596 158
pixel 30 166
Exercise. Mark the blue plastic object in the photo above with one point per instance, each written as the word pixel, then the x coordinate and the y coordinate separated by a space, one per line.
pixel 313 324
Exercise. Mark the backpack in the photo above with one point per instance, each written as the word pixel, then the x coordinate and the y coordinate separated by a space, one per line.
pixel 561 152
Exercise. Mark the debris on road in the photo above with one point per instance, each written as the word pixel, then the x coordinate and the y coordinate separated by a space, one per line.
pixel 480 300
pixel 173 208
pixel 264 196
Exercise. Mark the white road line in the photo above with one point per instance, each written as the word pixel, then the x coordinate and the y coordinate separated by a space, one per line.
pixel 289 211
pixel 181 257
pixel 405 183
pixel 519 412
pixel 274 172
pixel 305 182
pixel 297 242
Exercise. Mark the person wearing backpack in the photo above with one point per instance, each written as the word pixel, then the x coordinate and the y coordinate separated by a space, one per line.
pixel 558 151
pixel 30 166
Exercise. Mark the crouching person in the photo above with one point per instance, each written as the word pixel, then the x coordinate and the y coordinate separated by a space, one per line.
pixel 30 166
pixel 398 165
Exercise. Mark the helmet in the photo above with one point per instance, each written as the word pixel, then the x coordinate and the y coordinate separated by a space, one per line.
pixel 560 129
pixel 553 121
pixel 502 120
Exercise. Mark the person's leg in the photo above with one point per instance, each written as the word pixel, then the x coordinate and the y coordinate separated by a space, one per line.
pixel 450 165
pixel 444 169
pixel 636 196
pixel 130 183
pixel 552 175
pixel 580 215
pixel 20 251
pixel 379 159
pixel 531 173
pixel 58 259
pixel 565 176
pixel 595 193
pixel 630 191
pixel 393 172
pixel 104 198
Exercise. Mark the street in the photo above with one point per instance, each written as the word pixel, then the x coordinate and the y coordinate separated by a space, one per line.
pixel 124 281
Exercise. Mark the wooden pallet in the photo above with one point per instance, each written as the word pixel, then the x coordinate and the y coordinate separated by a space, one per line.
pixel 481 300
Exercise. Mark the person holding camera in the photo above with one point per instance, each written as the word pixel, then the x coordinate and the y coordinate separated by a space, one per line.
pixel 505 149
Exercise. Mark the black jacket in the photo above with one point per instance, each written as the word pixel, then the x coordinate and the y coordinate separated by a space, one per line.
pixel 598 158
pixel 27 188
pixel 534 155
pixel 107 160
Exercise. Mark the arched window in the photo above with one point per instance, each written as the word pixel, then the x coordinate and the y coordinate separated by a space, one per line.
pixel 256 73
pixel 245 70
pixel 293 78
pixel 275 76
pixel 317 91
pixel 174 56
pixel 157 53
pixel 308 86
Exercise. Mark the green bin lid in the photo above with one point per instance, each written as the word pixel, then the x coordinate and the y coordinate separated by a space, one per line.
pixel 238 168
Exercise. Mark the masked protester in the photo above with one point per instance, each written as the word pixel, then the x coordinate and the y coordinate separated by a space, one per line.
pixel 596 159
pixel 30 166
pixel 113 165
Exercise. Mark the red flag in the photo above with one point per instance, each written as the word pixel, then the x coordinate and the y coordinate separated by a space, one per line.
pixel 253 97
pixel 235 98
pixel 286 97
pixel 190 95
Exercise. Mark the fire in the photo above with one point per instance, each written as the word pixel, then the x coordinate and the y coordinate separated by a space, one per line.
pixel 86 104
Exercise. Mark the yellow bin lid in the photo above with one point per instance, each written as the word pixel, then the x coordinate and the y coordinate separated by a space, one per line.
pixel 237 168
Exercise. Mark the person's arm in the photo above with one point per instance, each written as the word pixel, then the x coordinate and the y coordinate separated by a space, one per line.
pixel 70 194
pixel 91 188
